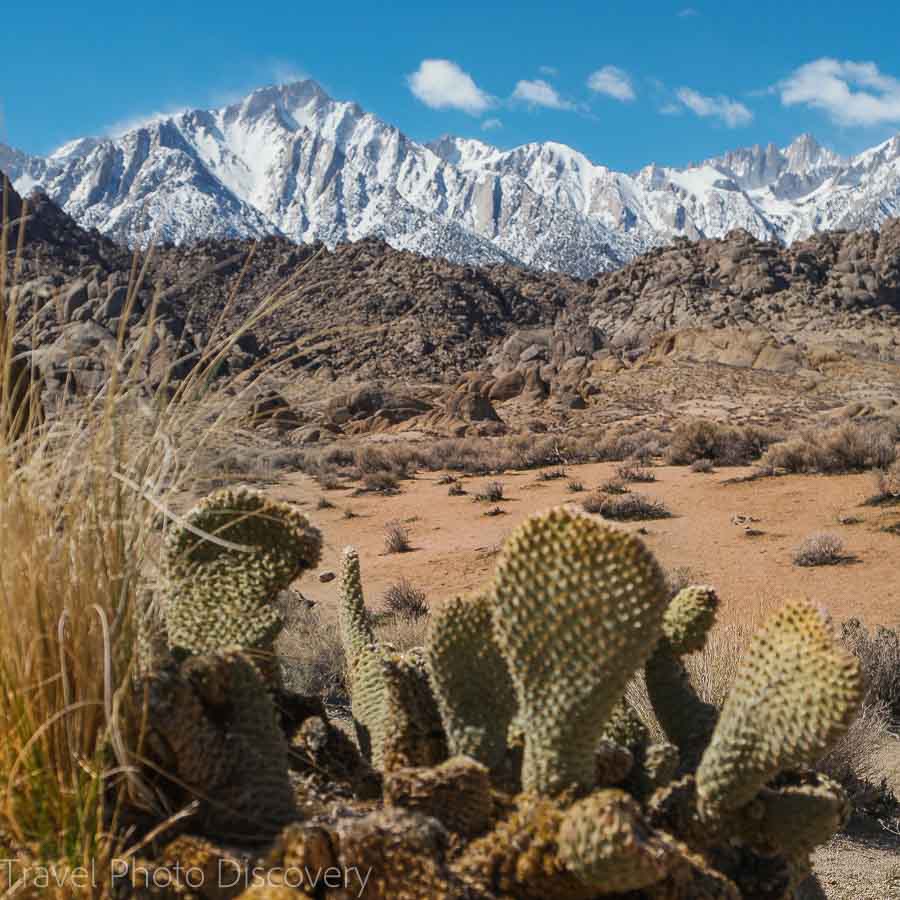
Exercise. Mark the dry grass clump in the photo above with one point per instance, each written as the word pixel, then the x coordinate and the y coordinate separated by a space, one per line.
pixel 879 653
pixel 381 482
pixel 406 601
pixel 592 503
pixel 484 455
pixel 820 549
pixel 887 485
pixel 634 472
pixel 324 503
pixel 396 537
pixel 492 492
pixel 633 508
pixel 456 489
pixel 834 451
pixel 613 486
pixel 312 657
pixel 575 486
pixel 552 474
pixel 703 466
pixel 727 445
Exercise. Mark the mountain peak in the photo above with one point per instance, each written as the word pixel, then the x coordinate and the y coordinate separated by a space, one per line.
pixel 288 159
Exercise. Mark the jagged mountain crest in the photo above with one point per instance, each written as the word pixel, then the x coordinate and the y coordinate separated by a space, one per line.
pixel 291 160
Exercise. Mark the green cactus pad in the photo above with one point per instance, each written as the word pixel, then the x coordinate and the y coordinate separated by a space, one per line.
pixel 795 817
pixel 365 663
pixel 413 734
pixel 578 607
pixel 224 566
pixel 470 679
pixel 689 617
pixel 795 692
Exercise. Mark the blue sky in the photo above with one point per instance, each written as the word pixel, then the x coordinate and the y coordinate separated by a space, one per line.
pixel 627 83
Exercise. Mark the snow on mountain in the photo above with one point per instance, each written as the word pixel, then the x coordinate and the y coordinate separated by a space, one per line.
pixel 291 160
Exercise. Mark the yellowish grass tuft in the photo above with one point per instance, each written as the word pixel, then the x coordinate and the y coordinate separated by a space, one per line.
pixel 84 494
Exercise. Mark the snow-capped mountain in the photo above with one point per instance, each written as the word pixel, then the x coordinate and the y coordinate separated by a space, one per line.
pixel 290 160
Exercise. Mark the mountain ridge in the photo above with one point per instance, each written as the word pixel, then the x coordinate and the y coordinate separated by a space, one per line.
pixel 290 160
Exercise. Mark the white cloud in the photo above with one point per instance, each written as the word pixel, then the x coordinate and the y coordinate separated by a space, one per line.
pixel 549 71
pixel 540 93
pixel 612 81
pixel 687 13
pixel 729 111
pixel 132 123
pixel 442 84
pixel 671 109
pixel 850 93
pixel 491 124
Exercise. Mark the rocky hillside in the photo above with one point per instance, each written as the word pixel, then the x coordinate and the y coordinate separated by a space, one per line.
pixel 292 161
pixel 366 311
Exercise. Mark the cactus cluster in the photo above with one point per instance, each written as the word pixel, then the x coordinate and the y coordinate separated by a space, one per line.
pixel 514 767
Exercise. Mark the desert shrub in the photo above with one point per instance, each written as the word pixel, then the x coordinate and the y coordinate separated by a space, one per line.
pixel 703 465
pixel 613 486
pixel 324 503
pixel 337 455
pixel 473 456
pixel 492 492
pixel 681 577
pixel 636 473
pixel 821 549
pixel 728 445
pixel 329 481
pixel 551 474
pixel 855 762
pixel 879 654
pixel 632 508
pixel 396 537
pixel 382 482
pixel 641 445
pixel 447 479
pixel 404 600
pixel 575 486
pixel 312 658
pixel 455 490
pixel 592 503
pixel 887 485
pixel 833 451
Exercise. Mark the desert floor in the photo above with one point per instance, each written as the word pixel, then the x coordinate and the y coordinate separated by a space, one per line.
pixel 737 537
pixel 712 533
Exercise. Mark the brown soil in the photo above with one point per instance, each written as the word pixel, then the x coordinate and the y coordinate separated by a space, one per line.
pixel 454 541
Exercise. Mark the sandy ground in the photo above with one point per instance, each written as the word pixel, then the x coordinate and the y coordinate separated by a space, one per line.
pixel 454 542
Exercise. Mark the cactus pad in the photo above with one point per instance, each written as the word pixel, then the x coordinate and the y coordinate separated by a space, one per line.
pixel 221 594
pixel 605 841
pixel 795 692
pixel 471 681
pixel 578 607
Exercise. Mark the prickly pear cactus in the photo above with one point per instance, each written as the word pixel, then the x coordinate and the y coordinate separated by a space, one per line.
pixel 605 841
pixel 578 607
pixel 413 733
pixel 365 662
pixel 795 693
pixel 470 679
pixel 225 563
